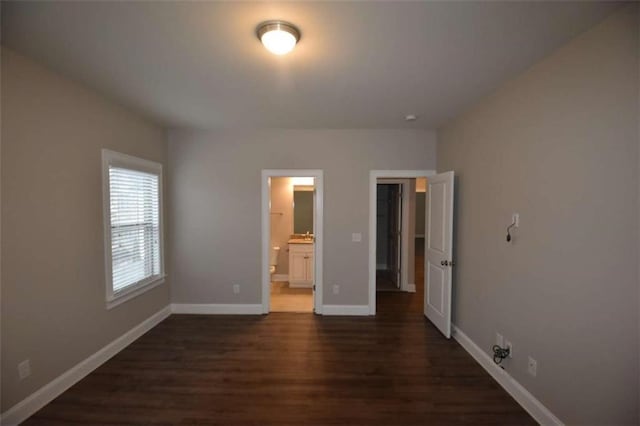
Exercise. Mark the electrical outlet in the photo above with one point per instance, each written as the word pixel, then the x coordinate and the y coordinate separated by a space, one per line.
pixel 236 289
pixel 499 340
pixel 336 289
pixel 532 367
pixel 24 369
pixel 508 345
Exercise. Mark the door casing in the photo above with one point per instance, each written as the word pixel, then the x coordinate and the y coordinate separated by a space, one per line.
pixel 374 175
pixel 317 230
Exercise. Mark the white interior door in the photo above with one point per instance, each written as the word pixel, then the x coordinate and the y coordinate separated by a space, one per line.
pixel 438 251
pixel 317 301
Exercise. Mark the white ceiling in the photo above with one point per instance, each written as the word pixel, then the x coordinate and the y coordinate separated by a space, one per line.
pixel 358 64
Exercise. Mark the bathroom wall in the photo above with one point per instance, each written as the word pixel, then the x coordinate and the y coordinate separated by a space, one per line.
pixel 281 219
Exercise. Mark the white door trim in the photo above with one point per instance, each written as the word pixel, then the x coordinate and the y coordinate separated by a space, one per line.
pixel 374 175
pixel 317 231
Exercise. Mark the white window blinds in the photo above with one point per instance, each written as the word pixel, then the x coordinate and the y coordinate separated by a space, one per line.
pixel 134 210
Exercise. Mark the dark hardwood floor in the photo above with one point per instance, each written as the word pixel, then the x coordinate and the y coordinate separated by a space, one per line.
pixel 290 369
pixel 401 303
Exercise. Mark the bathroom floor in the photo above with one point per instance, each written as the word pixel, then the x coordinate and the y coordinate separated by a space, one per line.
pixel 286 299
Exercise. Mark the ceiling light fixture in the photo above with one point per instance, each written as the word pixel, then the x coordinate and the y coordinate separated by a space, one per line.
pixel 410 117
pixel 278 37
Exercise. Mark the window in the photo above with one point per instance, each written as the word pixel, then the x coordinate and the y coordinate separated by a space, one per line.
pixel 133 225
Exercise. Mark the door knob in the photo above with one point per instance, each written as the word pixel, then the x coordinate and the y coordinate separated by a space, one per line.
pixel 444 263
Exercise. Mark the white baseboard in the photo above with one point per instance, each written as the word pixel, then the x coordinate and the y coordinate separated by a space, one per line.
pixel 355 310
pixel 411 288
pixel 534 407
pixel 280 277
pixel 216 309
pixel 34 402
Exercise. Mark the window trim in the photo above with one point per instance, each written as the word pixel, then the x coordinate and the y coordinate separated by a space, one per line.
pixel 112 158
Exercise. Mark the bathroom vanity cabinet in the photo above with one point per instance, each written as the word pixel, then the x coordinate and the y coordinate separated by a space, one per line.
pixel 301 264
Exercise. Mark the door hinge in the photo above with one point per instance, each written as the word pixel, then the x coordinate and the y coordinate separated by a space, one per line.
pixel 314 287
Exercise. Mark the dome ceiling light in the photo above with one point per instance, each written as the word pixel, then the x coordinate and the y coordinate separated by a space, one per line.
pixel 278 37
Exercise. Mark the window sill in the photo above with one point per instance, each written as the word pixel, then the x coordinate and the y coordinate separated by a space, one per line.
pixel 121 298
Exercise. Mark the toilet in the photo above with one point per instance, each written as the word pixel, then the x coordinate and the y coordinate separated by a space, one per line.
pixel 273 259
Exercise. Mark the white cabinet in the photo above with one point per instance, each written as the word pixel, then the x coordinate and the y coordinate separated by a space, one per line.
pixel 300 265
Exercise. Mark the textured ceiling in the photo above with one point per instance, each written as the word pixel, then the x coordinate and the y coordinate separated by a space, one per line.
pixel 358 64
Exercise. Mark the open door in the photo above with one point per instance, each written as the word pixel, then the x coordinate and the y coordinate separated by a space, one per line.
pixel 316 299
pixel 438 251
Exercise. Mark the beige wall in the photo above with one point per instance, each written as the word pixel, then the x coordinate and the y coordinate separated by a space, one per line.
pixel 559 145
pixel 215 189
pixel 281 224
pixel 53 286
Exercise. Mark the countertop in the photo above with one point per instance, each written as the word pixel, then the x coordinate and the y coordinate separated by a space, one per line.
pixel 300 241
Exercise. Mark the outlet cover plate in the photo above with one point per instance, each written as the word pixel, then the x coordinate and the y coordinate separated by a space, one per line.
pixel 532 367
pixel 24 369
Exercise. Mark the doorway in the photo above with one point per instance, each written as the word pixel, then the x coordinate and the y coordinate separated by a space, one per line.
pixel 438 242
pixel 292 241
pixel 392 243
pixel 389 226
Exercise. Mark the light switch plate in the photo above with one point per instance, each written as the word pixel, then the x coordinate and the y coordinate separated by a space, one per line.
pixel 356 237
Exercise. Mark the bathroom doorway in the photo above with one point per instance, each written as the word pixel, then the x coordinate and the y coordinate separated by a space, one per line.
pixel 291 241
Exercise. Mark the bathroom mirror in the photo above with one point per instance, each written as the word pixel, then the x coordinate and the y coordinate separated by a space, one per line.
pixel 302 209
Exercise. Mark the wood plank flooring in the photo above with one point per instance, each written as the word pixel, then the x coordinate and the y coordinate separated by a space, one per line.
pixel 287 369
pixel 291 369
pixel 404 304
